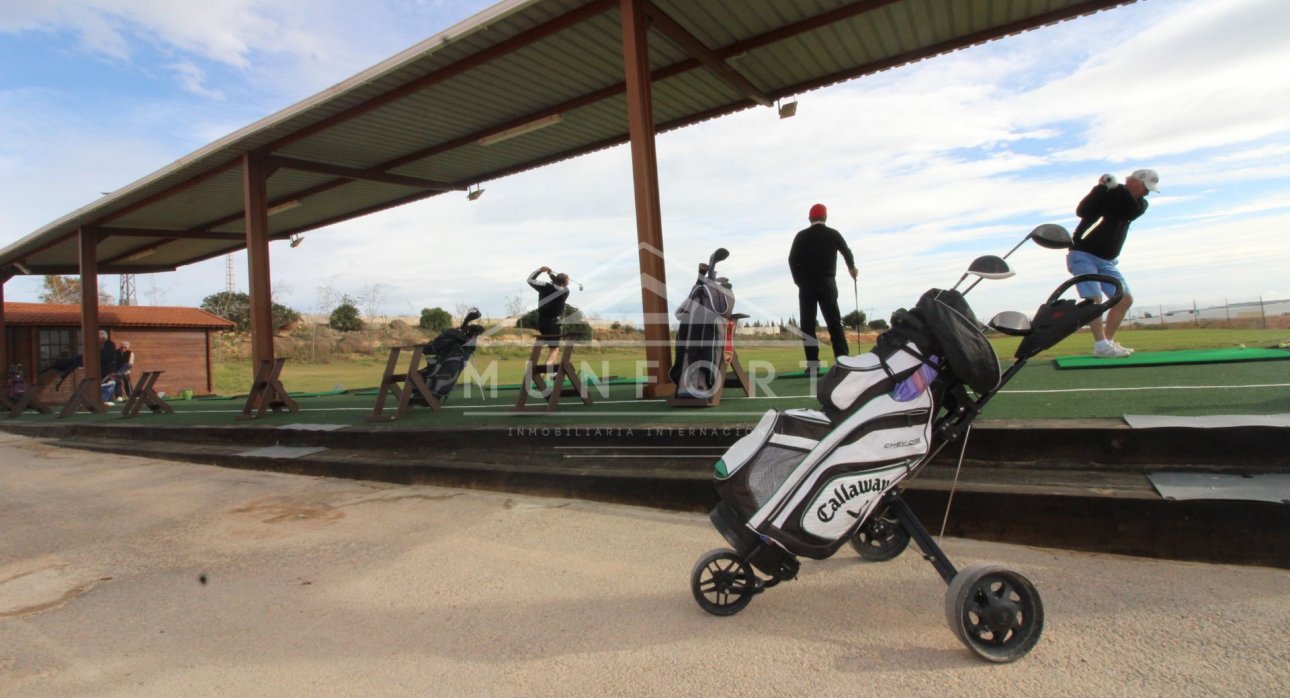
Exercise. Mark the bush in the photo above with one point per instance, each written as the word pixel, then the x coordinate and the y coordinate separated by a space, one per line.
pixel 879 325
pixel 236 308
pixel 854 319
pixel 435 319
pixel 345 317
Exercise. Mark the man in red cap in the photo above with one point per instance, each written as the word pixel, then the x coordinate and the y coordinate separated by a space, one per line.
pixel 813 261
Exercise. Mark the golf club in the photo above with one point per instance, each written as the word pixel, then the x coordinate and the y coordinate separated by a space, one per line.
pixel 855 284
pixel 1050 236
pixel 553 275
pixel 985 267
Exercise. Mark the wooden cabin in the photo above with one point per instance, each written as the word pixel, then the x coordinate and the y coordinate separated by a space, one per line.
pixel 170 339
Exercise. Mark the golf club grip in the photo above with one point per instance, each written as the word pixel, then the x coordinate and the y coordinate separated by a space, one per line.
pixel 1108 303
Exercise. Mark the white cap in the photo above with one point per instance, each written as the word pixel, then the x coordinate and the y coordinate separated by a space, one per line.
pixel 1147 177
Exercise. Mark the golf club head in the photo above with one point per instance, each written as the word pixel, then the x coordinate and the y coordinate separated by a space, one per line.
pixel 1011 323
pixel 1051 236
pixel 720 254
pixel 990 267
pixel 471 315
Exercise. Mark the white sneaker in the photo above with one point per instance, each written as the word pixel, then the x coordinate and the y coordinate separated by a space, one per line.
pixel 1121 347
pixel 1110 350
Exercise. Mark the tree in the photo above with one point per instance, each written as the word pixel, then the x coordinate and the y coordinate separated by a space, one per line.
pixel 878 325
pixel 236 307
pixel 435 319
pixel 345 317
pixel 854 319
pixel 67 291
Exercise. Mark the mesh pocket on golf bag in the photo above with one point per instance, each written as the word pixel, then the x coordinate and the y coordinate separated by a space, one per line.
pixel 768 470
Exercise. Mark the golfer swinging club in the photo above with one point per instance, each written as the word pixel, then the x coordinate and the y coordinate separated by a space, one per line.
pixel 551 299
pixel 813 261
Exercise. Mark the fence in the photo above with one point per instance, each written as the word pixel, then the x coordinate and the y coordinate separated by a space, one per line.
pixel 1233 313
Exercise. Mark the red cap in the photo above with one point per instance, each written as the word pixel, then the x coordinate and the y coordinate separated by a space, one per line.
pixel 818 213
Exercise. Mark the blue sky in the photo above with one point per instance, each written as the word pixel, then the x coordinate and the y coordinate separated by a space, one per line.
pixel 923 167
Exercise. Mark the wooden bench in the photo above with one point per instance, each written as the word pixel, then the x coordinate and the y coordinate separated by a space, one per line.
pixel 400 386
pixel 30 400
pixel 535 373
pixel 267 392
pixel 87 396
pixel 145 394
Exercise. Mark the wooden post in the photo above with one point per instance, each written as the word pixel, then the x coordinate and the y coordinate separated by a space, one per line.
pixel 4 335
pixel 649 226
pixel 255 175
pixel 89 263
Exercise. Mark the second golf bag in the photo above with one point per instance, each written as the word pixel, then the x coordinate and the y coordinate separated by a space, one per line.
pixel 701 338
pixel 806 480
pixel 447 354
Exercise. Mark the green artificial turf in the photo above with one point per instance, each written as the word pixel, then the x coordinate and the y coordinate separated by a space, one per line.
pixel 1172 358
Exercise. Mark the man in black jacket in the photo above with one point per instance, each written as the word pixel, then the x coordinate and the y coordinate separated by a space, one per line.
pixel 551 299
pixel 813 261
pixel 1105 214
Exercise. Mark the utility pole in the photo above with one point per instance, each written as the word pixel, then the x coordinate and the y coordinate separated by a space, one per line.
pixel 126 294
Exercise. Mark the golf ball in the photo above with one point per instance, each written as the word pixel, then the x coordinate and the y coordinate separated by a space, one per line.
pixel 1240 346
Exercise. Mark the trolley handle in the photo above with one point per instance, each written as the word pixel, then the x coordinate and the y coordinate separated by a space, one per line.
pixel 1106 304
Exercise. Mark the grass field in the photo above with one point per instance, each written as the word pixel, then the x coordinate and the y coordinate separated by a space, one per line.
pixel 233 378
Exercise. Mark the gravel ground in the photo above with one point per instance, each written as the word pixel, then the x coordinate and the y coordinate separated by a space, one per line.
pixel 129 576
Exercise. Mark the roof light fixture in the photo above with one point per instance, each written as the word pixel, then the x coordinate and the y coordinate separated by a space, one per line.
pixel 787 109
pixel 475 193
pixel 296 239
pixel 21 267
pixel 284 206
pixel 530 127
pixel 145 252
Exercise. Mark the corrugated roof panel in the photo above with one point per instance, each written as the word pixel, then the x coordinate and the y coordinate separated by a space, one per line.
pixel 374 118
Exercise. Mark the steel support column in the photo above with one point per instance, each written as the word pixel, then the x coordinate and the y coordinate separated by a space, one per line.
pixel 255 176
pixel 89 261
pixel 649 223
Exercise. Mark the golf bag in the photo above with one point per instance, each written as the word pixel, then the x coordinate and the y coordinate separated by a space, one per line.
pixel 806 480
pixel 701 338
pixel 447 354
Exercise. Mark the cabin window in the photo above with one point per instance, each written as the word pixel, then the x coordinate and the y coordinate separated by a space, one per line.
pixel 54 345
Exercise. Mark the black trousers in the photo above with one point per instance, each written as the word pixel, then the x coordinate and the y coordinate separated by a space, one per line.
pixel 824 294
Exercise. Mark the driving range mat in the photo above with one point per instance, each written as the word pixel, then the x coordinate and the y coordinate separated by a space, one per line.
pixel 1169 358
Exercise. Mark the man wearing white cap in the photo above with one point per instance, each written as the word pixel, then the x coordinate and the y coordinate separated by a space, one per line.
pixel 1105 215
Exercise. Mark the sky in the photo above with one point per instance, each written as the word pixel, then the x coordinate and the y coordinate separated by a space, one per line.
pixel 923 167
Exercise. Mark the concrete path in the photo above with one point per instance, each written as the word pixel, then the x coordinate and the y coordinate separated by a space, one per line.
pixel 330 587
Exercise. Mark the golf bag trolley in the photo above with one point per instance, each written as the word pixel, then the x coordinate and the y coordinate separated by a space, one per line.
pixel 803 483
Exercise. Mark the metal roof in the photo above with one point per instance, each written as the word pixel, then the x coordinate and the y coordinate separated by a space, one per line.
pixel 435 117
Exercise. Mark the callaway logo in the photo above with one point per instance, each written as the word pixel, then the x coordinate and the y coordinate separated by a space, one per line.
pixel 846 492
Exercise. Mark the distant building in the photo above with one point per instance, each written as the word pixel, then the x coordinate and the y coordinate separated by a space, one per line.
pixel 174 340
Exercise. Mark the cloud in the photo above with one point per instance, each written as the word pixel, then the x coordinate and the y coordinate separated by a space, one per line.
pixel 923 167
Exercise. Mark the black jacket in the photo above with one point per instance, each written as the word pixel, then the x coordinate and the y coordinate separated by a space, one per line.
pixel 814 256
pixel 551 298
pixel 1105 214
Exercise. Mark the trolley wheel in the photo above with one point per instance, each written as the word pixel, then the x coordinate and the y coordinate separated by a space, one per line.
pixel 722 583
pixel 996 612
pixel 880 538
